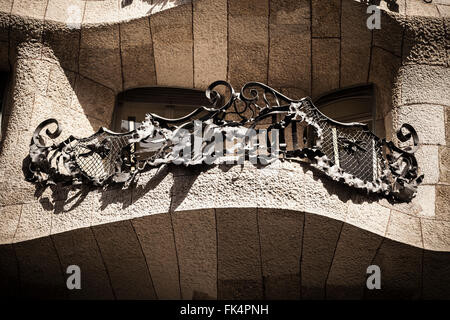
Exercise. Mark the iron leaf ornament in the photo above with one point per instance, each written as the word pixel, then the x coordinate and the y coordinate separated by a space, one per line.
pixel 289 129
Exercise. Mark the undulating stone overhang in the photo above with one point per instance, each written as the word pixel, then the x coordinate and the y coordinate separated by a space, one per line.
pixel 224 253
pixel 280 185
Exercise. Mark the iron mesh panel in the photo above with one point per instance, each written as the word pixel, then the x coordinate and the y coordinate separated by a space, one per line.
pixel 101 165
pixel 364 161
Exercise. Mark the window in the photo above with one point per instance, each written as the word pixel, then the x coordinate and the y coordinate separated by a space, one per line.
pixel 352 104
pixel 172 103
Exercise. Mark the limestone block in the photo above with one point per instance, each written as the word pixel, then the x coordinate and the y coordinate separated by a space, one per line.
pixel 325 70
pixel 389 37
pixel 124 260
pixel 9 220
pixel 195 192
pixel 35 221
pixel 425 198
pixel 173 45
pixel 447 125
pixel 320 238
pixel 47 108
pixel 401 271
pixel 436 234
pixel 97 12
pixel 250 51
pixel 23 29
pixel 152 193
pixel 31 78
pixel 356 42
pixel 70 12
pixel 93 99
pixel 326 18
pixel 383 71
pixel 79 247
pixel 436 275
pixel 100 54
pixel 433 88
pixel 425 41
pixel 210 42
pixel 274 193
pixel 444 164
pixel 61 85
pixel 14 192
pixel 421 205
pixel 9 273
pixel 155 234
pixel 238 189
pixel 138 62
pixel 41 274
pixel 428 161
pixel 113 205
pixel 239 257
pixel 405 228
pixel 421 8
pixel 444 11
pixel 443 202
pixel 195 237
pixel 35 9
pixel 281 233
pixel 354 253
pixel 74 212
pixel 427 120
pixel 368 215
pixel 62 44
pixel 290 45
pixel 6 5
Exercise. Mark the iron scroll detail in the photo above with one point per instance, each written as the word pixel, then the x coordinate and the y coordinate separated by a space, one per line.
pixel 290 129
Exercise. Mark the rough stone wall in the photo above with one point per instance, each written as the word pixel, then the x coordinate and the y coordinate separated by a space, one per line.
pixel 299 47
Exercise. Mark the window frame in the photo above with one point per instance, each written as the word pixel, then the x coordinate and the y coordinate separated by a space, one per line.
pixel 365 90
pixel 142 95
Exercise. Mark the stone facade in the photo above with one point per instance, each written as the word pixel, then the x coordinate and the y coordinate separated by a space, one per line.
pixel 283 231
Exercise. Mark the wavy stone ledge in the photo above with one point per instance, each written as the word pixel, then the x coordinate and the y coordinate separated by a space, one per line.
pixel 281 185
pixel 228 253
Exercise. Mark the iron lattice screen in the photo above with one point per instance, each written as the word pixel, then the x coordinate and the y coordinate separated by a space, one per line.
pixel 347 152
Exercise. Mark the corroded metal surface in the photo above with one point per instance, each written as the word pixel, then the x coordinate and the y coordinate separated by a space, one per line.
pixel 289 129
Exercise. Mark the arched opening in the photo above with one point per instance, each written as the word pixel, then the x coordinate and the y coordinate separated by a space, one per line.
pixel 351 104
pixel 167 102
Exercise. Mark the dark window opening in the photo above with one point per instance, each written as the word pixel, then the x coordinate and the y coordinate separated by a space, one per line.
pixel 172 103
pixel 352 104
pixel 169 103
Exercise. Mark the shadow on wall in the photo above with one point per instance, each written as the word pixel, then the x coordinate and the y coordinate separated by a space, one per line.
pixel 62 203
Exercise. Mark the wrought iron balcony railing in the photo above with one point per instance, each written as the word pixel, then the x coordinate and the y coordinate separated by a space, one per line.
pixel 347 152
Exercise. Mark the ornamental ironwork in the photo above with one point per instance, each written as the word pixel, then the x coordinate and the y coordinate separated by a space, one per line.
pixel 288 130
